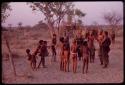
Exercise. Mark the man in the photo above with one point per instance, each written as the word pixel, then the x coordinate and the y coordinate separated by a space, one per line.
pixel 105 49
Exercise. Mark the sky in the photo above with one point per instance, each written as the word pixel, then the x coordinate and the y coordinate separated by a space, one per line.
pixel 21 12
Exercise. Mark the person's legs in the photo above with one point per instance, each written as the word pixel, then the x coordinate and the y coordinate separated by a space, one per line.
pixel 90 55
pixel 65 64
pixel 105 59
pixel 100 56
pixel 93 55
pixel 79 54
pixel 28 72
pixel 43 61
pixel 68 61
pixel 54 56
pixel 40 62
pixel 61 63
pixel 52 59
pixel 87 62
pixel 34 65
pixel 83 66
pixel 75 64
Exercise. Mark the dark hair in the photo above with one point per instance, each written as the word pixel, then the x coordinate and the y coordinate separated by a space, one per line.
pixel 27 50
pixel 106 33
pixel 101 31
pixel 74 41
pixel 61 39
pixel 41 41
pixel 45 42
pixel 54 34
pixel 65 46
pixel 85 43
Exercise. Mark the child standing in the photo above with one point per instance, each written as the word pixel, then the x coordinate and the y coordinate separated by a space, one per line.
pixel 85 56
pixel 74 55
pixel 53 47
pixel 61 53
pixel 29 63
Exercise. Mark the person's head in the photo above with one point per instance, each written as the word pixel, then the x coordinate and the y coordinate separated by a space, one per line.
pixel 106 33
pixel 27 51
pixel 54 35
pixel 61 39
pixel 41 42
pixel 85 43
pixel 74 41
pixel 101 32
pixel 45 42
pixel 66 39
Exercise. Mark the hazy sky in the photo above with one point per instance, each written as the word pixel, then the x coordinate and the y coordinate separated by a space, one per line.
pixel 94 10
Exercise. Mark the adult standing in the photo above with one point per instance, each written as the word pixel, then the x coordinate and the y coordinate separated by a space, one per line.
pixel 106 49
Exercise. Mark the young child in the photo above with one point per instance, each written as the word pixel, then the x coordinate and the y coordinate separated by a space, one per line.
pixel 85 56
pixel 61 53
pixel 74 55
pixel 66 55
pixel 34 61
pixel 29 57
pixel 53 53
pixel 29 63
pixel 53 47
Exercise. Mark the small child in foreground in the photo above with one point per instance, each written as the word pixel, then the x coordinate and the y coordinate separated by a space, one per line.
pixel 85 56
pixel 31 59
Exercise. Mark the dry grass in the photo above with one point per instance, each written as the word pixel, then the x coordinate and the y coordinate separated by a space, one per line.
pixel 20 40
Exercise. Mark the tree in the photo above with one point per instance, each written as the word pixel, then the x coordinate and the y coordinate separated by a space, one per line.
pixel 5 7
pixel 112 18
pixel 80 15
pixel 54 12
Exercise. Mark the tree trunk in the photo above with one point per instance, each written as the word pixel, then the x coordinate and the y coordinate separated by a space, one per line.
pixel 10 57
pixel 51 28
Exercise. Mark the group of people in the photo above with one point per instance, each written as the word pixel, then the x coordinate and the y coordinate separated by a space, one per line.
pixel 82 48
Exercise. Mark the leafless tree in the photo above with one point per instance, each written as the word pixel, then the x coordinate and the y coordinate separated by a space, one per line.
pixel 112 18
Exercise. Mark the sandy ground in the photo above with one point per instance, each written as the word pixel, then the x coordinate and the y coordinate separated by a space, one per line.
pixel 52 74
